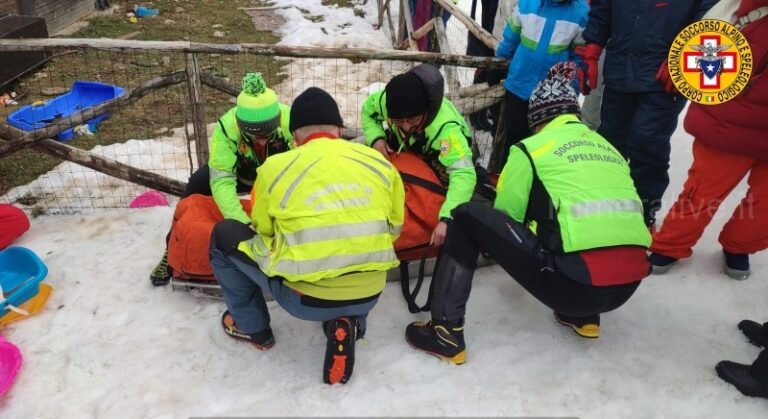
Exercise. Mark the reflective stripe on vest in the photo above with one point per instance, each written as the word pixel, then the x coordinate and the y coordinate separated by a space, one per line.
pixel 308 266
pixel 378 172
pixel 257 242
pixel 386 165
pixel 334 232
pixel 214 174
pixel 336 187
pixel 292 187
pixel 282 173
pixel 584 209
pixel 343 203
pixel 461 163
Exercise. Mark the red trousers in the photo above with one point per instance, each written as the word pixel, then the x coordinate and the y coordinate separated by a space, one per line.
pixel 712 176
pixel 13 223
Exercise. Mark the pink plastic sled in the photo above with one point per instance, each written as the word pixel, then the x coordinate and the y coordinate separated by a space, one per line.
pixel 10 362
pixel 149 199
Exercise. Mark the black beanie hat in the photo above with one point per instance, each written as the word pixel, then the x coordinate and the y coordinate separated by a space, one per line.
pixel 314 106
pixel 405 96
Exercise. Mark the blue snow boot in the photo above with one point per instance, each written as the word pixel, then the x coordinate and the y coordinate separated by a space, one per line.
pixel 660 264
pixel 737 265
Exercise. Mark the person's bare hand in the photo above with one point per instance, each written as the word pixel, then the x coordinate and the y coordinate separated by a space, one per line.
pixel 438 234
pixel 382 147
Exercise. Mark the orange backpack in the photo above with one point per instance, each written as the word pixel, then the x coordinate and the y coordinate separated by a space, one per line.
pixel 424 195
pixel 190 236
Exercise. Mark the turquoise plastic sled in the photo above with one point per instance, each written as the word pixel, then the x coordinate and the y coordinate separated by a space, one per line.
pixel 20 274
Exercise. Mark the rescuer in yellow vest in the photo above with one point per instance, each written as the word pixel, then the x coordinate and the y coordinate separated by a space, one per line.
pixel 588 255
pixel 324 219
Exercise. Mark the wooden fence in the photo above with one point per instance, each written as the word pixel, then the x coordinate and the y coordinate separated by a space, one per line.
pixel 194 77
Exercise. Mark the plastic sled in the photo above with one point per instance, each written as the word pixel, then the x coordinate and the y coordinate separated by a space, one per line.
pixel 10 362
pixel 83 95
pixel 142 12
pixel 197 285
pixel 32 306
pixel 149 199
pixel 20 274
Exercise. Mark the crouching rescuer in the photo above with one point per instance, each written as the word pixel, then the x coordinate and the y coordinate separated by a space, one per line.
pixel 256 128
pixel 324 219
pixel 586 254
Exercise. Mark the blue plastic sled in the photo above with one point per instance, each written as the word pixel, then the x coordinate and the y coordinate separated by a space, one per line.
pixel 84 94
pixel 20 274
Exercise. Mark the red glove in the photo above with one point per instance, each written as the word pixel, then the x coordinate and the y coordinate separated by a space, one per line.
pixel 663 76
pixel 589 53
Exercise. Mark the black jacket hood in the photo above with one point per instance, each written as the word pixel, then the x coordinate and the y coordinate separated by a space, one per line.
pixel 434 88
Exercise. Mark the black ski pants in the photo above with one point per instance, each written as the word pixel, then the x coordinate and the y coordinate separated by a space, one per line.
pixel 516 112
pixel 517 250
pixel 200 183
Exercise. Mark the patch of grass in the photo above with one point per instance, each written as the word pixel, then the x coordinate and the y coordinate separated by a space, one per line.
pixel 161 110
pixel 347 4
pixel 341 3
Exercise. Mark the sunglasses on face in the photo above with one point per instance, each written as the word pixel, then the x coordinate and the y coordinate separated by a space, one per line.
pixel 412 120
pixel 250 137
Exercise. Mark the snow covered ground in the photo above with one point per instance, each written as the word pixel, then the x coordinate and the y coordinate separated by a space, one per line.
pixel 109 344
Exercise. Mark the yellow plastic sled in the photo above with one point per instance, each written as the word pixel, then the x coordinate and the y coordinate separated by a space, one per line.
pixel 31 306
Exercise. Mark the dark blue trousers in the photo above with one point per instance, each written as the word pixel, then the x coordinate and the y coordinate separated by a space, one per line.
pixel 639 125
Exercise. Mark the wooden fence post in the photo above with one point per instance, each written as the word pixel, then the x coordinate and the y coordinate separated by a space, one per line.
pixel 495 164
pixel 26 7
pixel 406 16
pixel 472 26
pixel 451 75
pixel 195 88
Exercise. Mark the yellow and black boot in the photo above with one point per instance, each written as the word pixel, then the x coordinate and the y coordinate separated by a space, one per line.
pixel 161 275
pixel 442 339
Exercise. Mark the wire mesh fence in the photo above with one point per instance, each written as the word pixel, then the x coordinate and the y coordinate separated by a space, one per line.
pixel 155 133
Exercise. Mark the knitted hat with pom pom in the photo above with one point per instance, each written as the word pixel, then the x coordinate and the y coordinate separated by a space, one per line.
pixel 554 96
pixel 258 109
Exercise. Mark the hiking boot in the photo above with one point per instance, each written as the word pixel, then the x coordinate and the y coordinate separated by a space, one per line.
pixel 737 265
pixel 756 333
pixel 161 275
pixel 444 340
pixel 339 350
pixel 260 340
pixel 742 377
pixel 660 264
pixel 588 327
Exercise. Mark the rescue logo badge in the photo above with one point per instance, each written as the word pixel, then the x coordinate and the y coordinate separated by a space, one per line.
pixel 710 62
pixel 444 148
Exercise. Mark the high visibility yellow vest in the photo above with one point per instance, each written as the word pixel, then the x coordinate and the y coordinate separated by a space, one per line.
pixel 587 183
pixel 326 215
